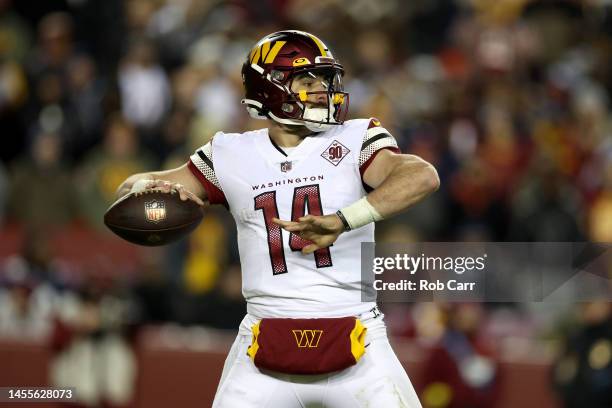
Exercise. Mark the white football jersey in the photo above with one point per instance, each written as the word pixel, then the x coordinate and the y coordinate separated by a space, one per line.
pixel 258 181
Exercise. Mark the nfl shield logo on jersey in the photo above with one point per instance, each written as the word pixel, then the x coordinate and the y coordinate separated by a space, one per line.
pixel 335 152
pixel 155 211
pixel 286 166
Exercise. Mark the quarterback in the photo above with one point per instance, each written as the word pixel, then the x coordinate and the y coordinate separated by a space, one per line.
pixel 305 192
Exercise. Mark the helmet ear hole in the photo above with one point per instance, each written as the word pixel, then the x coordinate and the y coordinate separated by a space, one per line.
pixel 277 75
pixel 286 107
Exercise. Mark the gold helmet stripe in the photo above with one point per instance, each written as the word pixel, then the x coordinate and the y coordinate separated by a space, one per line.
pixel 265 49
pixel 266 53
pixel 255 53
pixel 322 48
pixel 274 51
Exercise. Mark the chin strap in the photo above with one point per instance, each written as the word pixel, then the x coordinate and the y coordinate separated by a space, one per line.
pixel 318 115
pixel 318 127
pixel 285 121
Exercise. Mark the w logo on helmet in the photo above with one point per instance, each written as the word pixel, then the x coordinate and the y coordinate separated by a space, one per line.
pixel 307 338
pixel 266 52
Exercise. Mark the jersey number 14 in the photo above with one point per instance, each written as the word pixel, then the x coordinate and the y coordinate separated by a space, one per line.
pixel 302 196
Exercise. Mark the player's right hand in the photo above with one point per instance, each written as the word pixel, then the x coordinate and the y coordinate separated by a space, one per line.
pixel 167 187
pixel 321 230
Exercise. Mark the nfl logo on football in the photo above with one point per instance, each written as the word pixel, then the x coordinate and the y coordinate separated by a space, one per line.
pixel 155 211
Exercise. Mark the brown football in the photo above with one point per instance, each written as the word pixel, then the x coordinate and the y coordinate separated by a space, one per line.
pixel 152 218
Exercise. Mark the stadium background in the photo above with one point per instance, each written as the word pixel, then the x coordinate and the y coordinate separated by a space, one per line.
pixel 509 99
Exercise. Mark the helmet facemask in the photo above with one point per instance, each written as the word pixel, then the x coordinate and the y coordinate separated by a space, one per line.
pixel 313 97
pixel 317 97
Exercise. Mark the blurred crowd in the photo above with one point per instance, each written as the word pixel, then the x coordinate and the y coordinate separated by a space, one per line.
pixel 509 99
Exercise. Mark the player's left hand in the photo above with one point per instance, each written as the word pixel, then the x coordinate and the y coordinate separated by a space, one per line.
pixel 320 230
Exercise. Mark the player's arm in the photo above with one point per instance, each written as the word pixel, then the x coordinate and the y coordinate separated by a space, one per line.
pixel 399 181
pixel 180 179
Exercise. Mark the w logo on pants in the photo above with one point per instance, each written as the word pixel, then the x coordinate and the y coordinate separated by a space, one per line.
pixel 307 338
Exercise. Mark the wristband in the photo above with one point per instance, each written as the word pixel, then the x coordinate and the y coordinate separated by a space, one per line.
pixel 358 214
pixel 347 226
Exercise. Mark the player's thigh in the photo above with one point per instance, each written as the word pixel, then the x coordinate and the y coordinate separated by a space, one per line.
pixel 387 362
pixel 381 381
pixel 244 386
pixel 231 359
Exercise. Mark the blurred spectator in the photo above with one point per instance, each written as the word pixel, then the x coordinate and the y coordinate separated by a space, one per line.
pixel 14 46
pixel 41 190
pixel 86 92
pixel 145 91
pixel 470 189
pixel 225 308
pixel 13 86
pixel 208 253
pixel 153 291
pixel 461 371
pixel 173 147
pixel 583 372
pixel 204 286
pixel 92 351
pixel 217 101
pixel 55 45
pixel 15 34
pixel 64 87
pixel 36 263
pixel 30 289
pixel 546 208
pixel 26 304
pixel 107 166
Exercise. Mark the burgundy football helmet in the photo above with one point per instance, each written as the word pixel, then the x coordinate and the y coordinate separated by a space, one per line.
pixel 271 67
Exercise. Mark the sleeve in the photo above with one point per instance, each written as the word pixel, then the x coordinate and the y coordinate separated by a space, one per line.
pixel 376 138
pixel 201 165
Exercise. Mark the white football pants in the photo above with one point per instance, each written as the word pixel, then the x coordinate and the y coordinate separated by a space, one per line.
pixel 377 380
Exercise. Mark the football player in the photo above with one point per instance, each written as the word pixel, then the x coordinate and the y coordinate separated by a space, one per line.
pixel 305 192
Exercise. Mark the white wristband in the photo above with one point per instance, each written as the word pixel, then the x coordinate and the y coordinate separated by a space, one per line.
pixel 360 213
pixel 140 185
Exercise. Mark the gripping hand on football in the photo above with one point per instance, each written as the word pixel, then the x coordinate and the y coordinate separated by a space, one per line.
pixel 167 187
pixel 320 230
